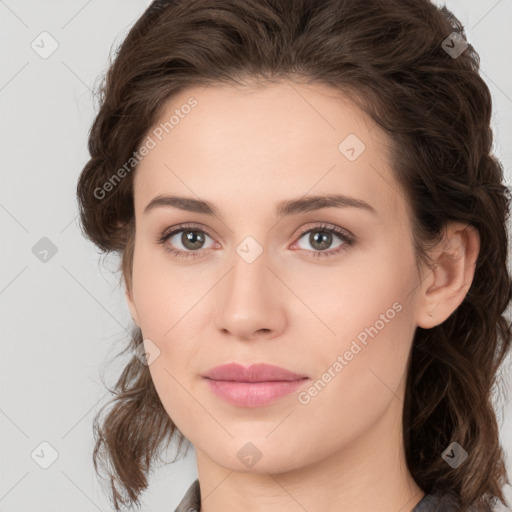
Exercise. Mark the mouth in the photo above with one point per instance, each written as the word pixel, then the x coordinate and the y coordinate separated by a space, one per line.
pixel 253 386
pixel 255 373
pixel 253 394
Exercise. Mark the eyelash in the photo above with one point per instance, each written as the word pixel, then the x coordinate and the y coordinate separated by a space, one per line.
pixel 348 239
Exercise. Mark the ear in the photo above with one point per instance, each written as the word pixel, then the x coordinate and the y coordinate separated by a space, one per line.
pixel 445 287
pixel 132 307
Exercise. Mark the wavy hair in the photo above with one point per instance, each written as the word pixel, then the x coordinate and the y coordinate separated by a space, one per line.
pixel 389 57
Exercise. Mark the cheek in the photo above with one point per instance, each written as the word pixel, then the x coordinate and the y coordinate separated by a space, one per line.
pixel 369 289
pixel 162 293
pixel 168 301
pixel 363 300
pixel 371 318
pixel 362 313
pixel 165 297
pixel 361 369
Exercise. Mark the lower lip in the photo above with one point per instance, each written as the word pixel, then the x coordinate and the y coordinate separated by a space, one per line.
pixel 253 394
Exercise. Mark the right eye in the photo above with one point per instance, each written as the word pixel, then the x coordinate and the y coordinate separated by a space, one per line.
pixel 190 237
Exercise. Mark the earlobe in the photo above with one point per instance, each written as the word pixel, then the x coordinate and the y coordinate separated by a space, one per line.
pixel 446 286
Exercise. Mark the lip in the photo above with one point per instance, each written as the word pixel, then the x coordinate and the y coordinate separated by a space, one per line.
pixel 257 385
pixel 255 373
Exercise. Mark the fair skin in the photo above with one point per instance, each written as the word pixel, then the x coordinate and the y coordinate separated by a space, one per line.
pixel 245 150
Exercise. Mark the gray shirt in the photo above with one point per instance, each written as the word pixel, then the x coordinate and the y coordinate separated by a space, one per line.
pixel 435 501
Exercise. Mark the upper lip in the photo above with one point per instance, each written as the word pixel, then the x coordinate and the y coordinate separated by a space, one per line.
pixel 254 373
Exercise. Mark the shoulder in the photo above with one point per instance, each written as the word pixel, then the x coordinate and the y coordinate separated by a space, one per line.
pixel 436 501
pixel 445 501
pixel 191 501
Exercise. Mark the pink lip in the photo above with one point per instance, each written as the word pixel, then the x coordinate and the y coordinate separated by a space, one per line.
pixel 254 373
pixel 257 385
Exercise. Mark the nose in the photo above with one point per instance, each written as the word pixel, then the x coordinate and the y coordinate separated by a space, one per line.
pixel 252 300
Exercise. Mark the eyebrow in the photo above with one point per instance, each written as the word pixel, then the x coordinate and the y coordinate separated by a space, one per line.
pixel 282 209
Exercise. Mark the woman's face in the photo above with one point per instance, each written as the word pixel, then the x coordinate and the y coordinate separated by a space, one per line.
pixel 265 280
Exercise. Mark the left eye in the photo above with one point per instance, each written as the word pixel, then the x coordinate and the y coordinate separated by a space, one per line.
pixel 321 238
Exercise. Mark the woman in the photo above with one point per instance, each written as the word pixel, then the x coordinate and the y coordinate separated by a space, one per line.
pixel 314 245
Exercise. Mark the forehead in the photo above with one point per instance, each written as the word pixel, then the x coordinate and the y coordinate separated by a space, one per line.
pixel 266 143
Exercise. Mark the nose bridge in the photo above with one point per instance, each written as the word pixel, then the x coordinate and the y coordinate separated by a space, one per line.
pixel 249 274
pixel 248 300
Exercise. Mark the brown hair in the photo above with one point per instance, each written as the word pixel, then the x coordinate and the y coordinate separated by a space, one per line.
pixel 387 56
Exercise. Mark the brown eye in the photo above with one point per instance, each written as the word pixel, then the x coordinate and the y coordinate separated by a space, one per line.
pixel 192 239
pixel 184 241
pixel 321 239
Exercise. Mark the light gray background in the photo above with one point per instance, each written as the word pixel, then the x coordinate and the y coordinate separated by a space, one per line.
pixel 62 320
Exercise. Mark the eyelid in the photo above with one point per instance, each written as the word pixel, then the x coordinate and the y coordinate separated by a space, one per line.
pixel 181 227
pixel 191 226
pixel 346 236
pixel 311 225
pixel 326 225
